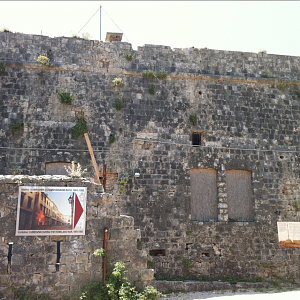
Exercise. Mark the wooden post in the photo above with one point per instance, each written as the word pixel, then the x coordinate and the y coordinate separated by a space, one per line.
pixel 93 157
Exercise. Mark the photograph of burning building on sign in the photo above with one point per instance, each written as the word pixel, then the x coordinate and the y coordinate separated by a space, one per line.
pixel 46 210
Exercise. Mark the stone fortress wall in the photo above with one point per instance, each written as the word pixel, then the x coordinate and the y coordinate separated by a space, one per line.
pixel 245 174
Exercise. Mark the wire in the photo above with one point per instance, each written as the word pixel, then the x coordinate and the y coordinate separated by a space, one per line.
pixel 116 25
pixel 88 20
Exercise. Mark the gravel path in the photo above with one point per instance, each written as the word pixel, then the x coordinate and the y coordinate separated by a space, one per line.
pixel 239 295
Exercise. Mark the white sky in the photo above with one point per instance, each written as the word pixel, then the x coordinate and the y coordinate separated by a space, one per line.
pixel 247 26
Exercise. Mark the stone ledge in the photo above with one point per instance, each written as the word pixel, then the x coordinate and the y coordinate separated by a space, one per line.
pixel 165 286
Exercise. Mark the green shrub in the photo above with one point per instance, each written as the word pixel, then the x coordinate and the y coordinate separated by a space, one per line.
pixel 150 263
pixel 117 287
pixel 112 138
pixel 80 128
pixel 27 294
pixel 298 95
pixel 129 56
pixel 161 75
pixel 13 127
pixel 118 104
pixel 65 97
pixel 187 263
pixel 148 74
pixel 123 180
pixel 152 89
pixel 193 119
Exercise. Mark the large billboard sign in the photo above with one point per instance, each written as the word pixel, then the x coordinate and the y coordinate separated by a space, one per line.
pixel 46 210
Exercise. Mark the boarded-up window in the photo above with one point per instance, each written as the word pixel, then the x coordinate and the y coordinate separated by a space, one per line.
pixel 239 195
pixel 204 203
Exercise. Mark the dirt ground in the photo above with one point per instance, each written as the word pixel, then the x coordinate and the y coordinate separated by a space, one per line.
pixel 271 294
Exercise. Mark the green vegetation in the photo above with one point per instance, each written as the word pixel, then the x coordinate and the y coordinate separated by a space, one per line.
pixel 129 56
pixel 116 287
pixel 112 138
pixel 13 127
pixel 43 60
pixel 296 206
pixel 152 89
pixel 27 294
pixel 298 94
pixel 187 263
pixel 80 128
pixel 123 180
pixel 17 171
pixel 266 75
pixel 64 97
pixel 149 74
pixel 118 104
pixel 150 263
pixel 189 232
pixel 2 67
pixel 193 119
pixel 217 237
pixel 188 105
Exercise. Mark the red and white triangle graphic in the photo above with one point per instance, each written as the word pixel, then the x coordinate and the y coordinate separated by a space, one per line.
pixel 78 210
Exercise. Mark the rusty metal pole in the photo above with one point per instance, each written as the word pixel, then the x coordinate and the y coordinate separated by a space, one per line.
pixel 105 250
pixel 104 177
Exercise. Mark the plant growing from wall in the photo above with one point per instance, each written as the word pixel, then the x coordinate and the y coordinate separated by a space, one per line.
pixel 117 286
pixel 17 171
pixel 43 60
pixel 152 89
pixel 112 138
pixel 193 119
pixel 129 56
pixel 148 74
pixel 123 180
pixel 14 127
pixel 80 128
pixel 75 171
pixel 187 263
pixel 2 67
pixel 298 94
pixel 86 36
pixel 161 75
pixel 117 82
pixel 64 97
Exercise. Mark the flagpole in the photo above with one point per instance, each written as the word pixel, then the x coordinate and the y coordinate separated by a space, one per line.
pixel 100 22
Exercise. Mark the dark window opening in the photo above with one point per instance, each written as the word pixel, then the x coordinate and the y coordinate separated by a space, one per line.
pixel 187 246
pixel 22 199
pixel 57 256
pixel 196 139
pixel 9 252
pixel 205 254
pixel 157 252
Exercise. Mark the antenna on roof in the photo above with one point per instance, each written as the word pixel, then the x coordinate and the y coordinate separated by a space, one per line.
pixel 100 22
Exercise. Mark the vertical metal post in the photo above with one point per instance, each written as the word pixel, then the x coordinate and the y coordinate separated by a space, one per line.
pixel 100 22
pixel 104 177
pixel 105 250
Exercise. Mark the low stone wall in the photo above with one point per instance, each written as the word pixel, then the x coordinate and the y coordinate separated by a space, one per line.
pixel 33 260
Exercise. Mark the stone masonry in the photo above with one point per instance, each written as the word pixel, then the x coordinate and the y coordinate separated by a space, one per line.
pixel 34 258
pixel 247 111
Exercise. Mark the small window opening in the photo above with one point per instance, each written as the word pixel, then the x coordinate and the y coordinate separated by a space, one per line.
pixel 187 246
pixel 157 252
pixel 10 252
pixel 58 256
pixel 205 254
pixel 196 138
